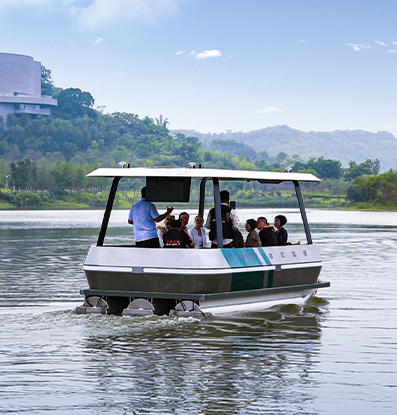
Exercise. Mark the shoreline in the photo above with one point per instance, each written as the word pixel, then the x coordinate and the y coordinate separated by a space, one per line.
pixel 357 208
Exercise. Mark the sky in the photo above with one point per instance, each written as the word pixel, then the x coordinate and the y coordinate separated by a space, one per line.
pixel 219 65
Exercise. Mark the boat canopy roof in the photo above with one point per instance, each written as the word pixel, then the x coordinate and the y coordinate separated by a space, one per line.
pixel 198 173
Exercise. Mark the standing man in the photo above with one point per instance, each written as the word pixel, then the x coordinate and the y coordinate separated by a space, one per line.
pixel 144 215
pixel 230 221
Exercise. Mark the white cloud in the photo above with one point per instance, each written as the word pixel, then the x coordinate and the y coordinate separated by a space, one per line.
pixel 95 13
pixel 358 46
pixel 180 52
pixel 301 40
pixel 269 108
pixel 98 40
pixel 214 53
pixel 91 14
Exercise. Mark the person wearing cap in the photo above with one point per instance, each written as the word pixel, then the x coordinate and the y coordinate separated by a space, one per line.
pixel 161 230
pixel 176 237
pixel 266 232
pixel 144 216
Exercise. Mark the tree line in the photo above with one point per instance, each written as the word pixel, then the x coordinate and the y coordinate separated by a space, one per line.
pixel 358 183
pixel 52 155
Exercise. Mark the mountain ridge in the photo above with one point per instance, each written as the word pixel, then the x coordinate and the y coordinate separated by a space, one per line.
pixel 343 145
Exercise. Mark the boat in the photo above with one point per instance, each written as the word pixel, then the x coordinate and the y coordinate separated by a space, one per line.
pixel 130 280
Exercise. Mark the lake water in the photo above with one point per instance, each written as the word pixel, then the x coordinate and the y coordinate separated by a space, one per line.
pixel 337 355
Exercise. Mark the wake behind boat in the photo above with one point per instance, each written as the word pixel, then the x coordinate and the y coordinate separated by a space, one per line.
pixel 132 280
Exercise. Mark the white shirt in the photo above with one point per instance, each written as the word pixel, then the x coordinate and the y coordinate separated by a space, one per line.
pixel 197 239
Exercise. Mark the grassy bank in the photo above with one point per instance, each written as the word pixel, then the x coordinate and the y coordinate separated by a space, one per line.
pixel 24 200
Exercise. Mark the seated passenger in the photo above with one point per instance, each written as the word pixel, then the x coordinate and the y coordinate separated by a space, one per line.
pixel 161 230
pixel 253 239
pixel 198 233
pixel 266 232
pixel 184 218
pixel 176 237
pixel 281 233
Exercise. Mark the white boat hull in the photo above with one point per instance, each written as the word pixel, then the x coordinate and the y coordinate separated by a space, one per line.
pixel 218 280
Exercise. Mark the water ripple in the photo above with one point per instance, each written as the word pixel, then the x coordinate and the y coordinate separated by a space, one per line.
pixel 337 354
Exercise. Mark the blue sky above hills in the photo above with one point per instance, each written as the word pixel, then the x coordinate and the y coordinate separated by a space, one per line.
pixel 217 65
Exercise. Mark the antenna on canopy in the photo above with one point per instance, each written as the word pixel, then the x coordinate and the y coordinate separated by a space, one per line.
pixel 122 164
pixel 288 169
pixel 192 165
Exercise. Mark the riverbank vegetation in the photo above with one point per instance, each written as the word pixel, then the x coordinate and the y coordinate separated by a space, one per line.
pixel 43 161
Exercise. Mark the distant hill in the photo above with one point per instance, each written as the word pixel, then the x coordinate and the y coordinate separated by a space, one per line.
pixel 345 145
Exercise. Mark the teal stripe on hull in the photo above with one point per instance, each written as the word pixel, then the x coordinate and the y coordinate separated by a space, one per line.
pixel 247 281
pixel 264 256
pixel 238 258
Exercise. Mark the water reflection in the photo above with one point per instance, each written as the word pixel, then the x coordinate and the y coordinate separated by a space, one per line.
pixel 236 364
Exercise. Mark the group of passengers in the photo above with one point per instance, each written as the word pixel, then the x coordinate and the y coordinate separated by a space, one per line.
pixel 266 236
pixel 174 234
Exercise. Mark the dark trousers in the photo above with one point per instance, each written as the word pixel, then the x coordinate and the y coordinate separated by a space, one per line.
pixel 229 245
pixel 149 243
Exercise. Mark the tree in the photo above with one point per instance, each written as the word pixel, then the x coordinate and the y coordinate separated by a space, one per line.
pixel 354 195
pixel 369 167
pixel 326 168
pixel 160 122
pixel 20 174
pixel 47 84
pixel 130 119
pixel 281 160
pixel 73 102
pixel 61 179
pixel 380 189
pixel 78 178
pixel 187 148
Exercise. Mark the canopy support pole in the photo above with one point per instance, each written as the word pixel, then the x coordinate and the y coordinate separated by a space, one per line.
pixel 202 196
pixel 218 212
pixel 106 215
pixel 303 212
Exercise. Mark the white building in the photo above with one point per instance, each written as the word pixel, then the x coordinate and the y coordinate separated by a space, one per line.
pixel 20 87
